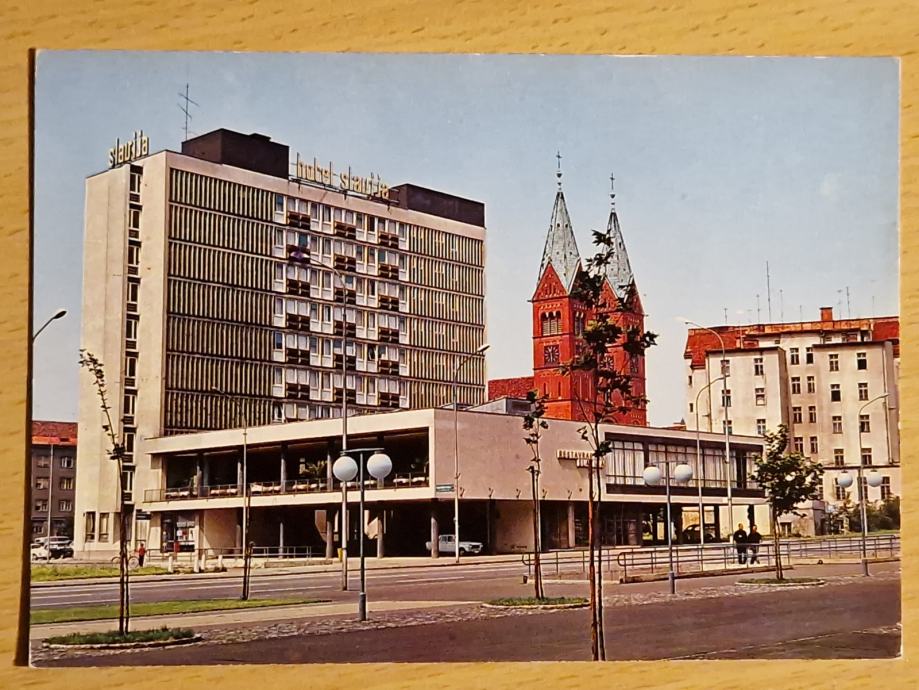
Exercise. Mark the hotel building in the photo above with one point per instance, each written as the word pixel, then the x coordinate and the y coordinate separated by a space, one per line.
pixel 222 290
pixel 833 382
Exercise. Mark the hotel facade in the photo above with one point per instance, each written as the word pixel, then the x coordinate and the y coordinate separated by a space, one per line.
pixel 229 286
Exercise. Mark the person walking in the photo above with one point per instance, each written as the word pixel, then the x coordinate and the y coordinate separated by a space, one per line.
pixel 740 542
pixel 753 539
pixel 141 553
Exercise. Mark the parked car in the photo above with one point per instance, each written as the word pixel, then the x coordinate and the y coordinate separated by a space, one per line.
pixel 61 547
pixel 39 552
pixel 691 535
pixel 445 544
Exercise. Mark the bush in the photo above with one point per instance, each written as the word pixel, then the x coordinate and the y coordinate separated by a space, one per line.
pixel 533 601
pixel 883 515
pixel 114 637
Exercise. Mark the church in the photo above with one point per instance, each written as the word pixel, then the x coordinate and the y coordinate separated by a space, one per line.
pixel 559 319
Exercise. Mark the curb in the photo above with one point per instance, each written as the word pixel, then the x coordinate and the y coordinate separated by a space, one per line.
pixel 536 607
pixel 816 582
pixel 127 645
pixel 634 579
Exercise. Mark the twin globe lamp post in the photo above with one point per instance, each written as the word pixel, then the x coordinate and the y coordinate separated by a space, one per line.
pixel 682 474
pixel 345 469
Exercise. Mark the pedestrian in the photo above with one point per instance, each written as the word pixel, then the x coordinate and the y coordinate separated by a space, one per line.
pixel 141 553
pixel 740 541
pixel 754 538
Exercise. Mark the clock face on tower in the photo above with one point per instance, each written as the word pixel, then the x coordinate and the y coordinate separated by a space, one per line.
pixel 550 354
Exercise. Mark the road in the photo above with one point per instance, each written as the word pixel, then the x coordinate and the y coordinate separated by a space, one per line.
pixel 849 618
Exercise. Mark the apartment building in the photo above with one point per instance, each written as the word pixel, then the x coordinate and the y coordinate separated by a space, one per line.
pixel 54 450
pixel 833 382
pixel 230 286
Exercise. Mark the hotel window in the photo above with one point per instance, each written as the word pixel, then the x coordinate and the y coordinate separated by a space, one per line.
pixel 866 456
pixel 799 444
pixel 757 366
pixel 861 360
pixel 795 359
pixel 65 505
pixel 796 416
pixel 760 427
pixel 66 462
pixel 808 355
pixel 839 457
pixel 130 366
pixel 134 218
pixel 134 180
pixel 837 424
pixel 834 362
pixel 41 506
pixel 133 255
pixel 841 494
pixel 760 394
pixel 66 484
pixel 130 329
pixel 133 290
pixel 812 414
pixel 727 427
pixel 89 526
pixel 885 488
pixel 864 423
pixel 862 391
pixel 103 526
pixel 726 397
pixel 129 401
pixel 795 385
pixel 41 483
pixel 835 392
pixel 813 444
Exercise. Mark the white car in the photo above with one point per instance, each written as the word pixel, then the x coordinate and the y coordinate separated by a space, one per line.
pixel 445 544
pixel 39 552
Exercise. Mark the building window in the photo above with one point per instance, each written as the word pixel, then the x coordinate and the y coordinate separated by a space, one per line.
pixel 89 526
pixel 757 366
pixel 796 385
pixel 864 423
pixel 133 291
pixel 66 462
pixel 550 354
pixel 66 484
pixel 808 355
pixel 65 505
pixel 41 506
pixel 795 359
pixel 133 255
pixel 862 391
pixel 760 427
pixel 837 424
pixel 811 385
pixel 841 494
pixel 130 366
pixel 799 444
pixel 727 427
pixel 885 489
pixel 43 461
pixel 861 360
pixel 129 401
pixel 38 527
pixel 760 394
pixel 839 457
pixel 726 397
pixel 725 367
pixel 103 526
pixel 134 218
pixel 812 414
pixel 130 329
pixel 690 408
pixel 835 392
pixel 866 456
pixel 41 483
pixel 814 445
pixel 834 362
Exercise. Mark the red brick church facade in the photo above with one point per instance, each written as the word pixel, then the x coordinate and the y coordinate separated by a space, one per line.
pixel 559 320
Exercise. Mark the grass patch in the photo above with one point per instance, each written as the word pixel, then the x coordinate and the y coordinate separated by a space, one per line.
pixel 781 583
pixel 533 601
pixel 48 573
pixel 113 637
pixel 155 608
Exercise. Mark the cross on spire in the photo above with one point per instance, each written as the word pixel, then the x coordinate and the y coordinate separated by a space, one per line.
pixel 558 171
pixel 612 192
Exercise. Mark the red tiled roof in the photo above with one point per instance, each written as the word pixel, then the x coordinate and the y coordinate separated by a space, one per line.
pixel 54 432
pixel 510 388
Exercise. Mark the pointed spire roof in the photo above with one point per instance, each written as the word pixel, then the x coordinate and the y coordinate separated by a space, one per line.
pixel 561 249
pixel 618 271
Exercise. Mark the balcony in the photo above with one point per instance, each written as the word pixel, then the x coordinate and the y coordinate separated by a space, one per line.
pixel 390 400
pixel 346 230
pixel 294 355
pixel 387 366
pixel 389 303
pixel 349 329
pixel 298 254
pixel 388 239
pixel 349 296
pixel 299 288
pixel 351 365
pixel 390 271
pixel 352 396
pixel 298 391
pixel 300 322
pixel 343 262
pixel 298 220
pixel 389 335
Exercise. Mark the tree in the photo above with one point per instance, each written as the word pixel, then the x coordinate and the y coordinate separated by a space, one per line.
pixel 533 424
pixel 788 479
pixel 882 515
pixel 600 341
pixel 117 453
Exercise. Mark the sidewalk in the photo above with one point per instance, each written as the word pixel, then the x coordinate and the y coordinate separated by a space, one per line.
pixel 235 617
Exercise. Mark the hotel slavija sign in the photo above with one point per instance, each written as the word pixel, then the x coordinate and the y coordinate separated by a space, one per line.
pixel 371 186
pixel 130 150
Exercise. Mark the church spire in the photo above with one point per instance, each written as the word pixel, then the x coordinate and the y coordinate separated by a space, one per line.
pixel 618 271
pixel 561 249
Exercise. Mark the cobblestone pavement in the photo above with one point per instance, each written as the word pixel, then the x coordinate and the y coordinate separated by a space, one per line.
pixel 614 597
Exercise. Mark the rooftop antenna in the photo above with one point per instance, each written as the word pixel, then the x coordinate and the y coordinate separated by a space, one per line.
pixel 185 108
pixel 725 315
pixel 839 302
pixel 848 303
pixel 558 170
pixel 768 293
pixel 758 320
pixel 781 306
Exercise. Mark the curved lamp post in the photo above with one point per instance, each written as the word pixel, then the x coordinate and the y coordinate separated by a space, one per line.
pixel 59 314
pixel 345 470
pixel 651 475
pixel 701 468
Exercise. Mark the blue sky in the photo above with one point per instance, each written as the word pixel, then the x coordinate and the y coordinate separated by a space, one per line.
pixel 721 164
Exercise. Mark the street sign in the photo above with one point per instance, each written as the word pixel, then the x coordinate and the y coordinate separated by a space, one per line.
pixel 443 488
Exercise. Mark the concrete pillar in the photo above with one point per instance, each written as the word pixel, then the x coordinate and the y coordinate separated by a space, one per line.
pixel 281 535
pixel 381 533
pixel 283 467
pixel 206 471
pixel 239 474
pixel 572 536
pixel 199 474
pixel 329 533
pixel 435 533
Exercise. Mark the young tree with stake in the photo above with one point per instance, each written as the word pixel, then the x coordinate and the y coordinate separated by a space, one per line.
pixel 533 424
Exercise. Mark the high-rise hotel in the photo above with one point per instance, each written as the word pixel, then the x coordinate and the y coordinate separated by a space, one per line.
pixel 220 283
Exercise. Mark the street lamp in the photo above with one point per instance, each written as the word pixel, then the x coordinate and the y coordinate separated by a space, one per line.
pixel 240 416
pixel 874 480
pixel 700 467
pixel 479 350
pixel 651 475
pixel 59 314
pixel 725 373
pixel 345 469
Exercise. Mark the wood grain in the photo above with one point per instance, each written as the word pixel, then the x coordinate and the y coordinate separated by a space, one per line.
pixel 833 27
